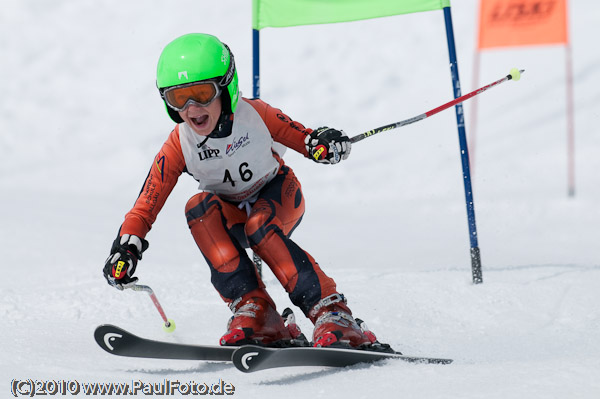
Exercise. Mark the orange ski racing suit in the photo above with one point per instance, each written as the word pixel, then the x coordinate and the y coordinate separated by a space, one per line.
pixel 249 199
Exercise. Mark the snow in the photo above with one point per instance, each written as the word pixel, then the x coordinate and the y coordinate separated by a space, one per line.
pixel 81 120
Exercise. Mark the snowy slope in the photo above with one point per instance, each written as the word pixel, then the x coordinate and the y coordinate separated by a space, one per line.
pixel 80 121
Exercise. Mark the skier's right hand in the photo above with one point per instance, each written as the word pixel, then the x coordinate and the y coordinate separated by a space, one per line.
pixel 124 255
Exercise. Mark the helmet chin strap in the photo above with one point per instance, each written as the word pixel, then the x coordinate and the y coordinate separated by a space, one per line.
pixel 224 126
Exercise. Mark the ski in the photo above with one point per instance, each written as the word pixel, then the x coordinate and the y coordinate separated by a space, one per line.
pixel 249 358
pixel 119 342
pixel 246 358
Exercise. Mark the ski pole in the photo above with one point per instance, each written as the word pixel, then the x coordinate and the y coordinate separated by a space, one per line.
pixel 515 74
pixel 169 325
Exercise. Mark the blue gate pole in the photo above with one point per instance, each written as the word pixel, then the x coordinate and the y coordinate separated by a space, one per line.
pixel 256 94
pixel 464 151
pixel 255 63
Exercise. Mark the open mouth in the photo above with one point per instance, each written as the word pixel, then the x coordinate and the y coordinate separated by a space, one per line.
pixel 200 121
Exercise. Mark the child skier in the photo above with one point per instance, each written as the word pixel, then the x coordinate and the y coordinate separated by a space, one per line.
pixel 250 198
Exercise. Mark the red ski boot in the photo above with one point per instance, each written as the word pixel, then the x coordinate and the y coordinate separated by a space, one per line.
pixel 335 326
pixel 255 321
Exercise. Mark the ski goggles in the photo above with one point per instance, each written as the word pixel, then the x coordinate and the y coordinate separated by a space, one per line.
pixel 201 93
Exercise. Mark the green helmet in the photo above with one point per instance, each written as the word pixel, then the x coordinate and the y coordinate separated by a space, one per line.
pixel 195 57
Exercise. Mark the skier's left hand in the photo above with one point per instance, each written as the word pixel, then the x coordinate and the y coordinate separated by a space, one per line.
pixel 327 145
pixel 124 255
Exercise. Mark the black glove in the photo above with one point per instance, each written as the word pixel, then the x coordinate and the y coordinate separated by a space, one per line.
pixel 327 145
pixel 124 255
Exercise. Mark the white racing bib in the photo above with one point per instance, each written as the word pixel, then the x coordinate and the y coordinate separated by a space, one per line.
pixel 235 167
